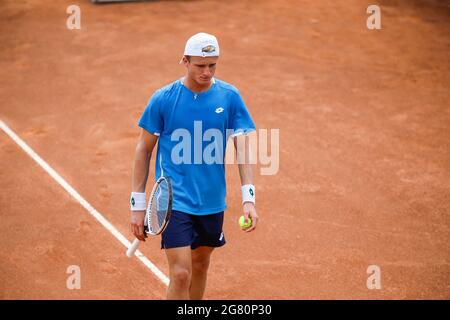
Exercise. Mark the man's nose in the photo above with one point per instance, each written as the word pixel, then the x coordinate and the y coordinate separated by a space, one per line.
pixel 207 71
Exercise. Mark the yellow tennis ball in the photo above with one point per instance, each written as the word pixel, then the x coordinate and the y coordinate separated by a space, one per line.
pixel 244 225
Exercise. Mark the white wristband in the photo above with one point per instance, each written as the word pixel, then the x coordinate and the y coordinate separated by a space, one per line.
pixel 248 193
pixel 138 201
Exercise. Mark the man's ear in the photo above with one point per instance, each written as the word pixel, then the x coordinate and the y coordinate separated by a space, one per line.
pixel 184 61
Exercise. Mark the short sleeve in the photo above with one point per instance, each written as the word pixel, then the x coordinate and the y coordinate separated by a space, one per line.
pixel 241 121
pixel 152 120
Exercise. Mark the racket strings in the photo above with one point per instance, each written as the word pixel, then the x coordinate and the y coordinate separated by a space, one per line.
pixel 159 204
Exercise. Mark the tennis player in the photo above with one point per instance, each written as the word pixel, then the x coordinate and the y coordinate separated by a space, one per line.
pixel 191 106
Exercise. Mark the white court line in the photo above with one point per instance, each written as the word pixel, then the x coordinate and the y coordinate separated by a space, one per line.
pixel 97 215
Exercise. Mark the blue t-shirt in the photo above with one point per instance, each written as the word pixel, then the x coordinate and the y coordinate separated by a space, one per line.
pixel 193 130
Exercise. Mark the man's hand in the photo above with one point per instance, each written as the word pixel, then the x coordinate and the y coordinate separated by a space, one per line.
pixel 137 224
pixel 250 211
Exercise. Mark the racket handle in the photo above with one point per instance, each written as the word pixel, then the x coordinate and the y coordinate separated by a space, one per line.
pixel 132 248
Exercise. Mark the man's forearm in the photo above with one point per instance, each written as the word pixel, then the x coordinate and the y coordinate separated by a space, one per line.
pixel 140 169
pixel 244 154
pixel 246 173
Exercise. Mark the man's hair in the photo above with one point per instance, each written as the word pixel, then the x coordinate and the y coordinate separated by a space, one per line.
pixel 188 58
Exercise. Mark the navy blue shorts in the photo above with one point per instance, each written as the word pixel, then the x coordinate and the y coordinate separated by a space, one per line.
pixel 192 230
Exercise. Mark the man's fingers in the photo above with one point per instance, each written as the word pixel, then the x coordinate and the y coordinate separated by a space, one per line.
pixel 250 229
pixel 141 232
pixel 246 215
pixel 253 226
pixel 135 231
pixel 138 232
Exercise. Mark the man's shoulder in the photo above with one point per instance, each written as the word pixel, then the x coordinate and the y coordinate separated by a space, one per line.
pixel 168 89
pixel 226 86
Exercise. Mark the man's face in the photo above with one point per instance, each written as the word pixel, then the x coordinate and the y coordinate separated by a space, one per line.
pixel 201 69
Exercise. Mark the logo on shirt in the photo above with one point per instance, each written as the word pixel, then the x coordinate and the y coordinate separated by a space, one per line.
pixel 219 110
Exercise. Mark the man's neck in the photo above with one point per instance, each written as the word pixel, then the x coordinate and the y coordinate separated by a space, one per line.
pixel 194 86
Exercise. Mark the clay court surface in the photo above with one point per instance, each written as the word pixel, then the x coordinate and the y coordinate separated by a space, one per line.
pixel 364 121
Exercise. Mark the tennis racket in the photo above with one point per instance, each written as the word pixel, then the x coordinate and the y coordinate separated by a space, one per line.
pixel 158 211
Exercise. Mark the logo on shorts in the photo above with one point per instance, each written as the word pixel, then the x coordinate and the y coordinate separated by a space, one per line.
pixel 219 110
pixel 209 49
pixel 221 236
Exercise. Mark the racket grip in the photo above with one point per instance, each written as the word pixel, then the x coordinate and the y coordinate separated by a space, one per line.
pixel 132 248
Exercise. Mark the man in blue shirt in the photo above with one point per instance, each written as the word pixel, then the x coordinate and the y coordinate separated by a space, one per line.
pixel 192 119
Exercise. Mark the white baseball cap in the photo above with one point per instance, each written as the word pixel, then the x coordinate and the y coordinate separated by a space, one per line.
pixel 202 45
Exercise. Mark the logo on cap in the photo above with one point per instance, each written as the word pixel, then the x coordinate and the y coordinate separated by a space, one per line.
pixel 209 48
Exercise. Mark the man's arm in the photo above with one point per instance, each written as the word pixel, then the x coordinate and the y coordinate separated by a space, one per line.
pixel 143 153
pixel 243 153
